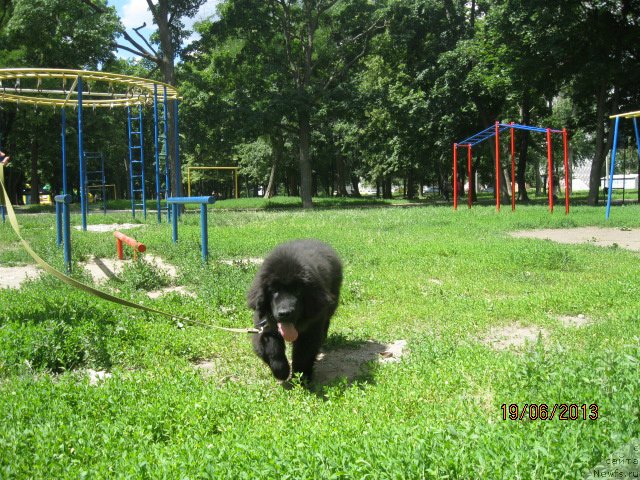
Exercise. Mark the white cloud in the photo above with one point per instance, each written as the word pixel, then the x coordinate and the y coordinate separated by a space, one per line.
pixel 134 13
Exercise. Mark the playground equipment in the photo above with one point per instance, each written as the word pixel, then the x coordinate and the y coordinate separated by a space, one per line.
pixel 63 228
pixel 495 131
pixel 233 169
pixel 48 87
pixel 137 246
pixel 633 116
pixel 94 177
pixel 204 232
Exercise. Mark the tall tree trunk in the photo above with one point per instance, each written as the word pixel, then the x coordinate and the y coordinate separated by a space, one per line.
pixel 410 190
pixel 355 190
pixel 167 67
pixel 292 183
pixel 523 148
pixel 277 149
pixel 386 188
pixel 341 176
pixel 304 133
pixel 601 149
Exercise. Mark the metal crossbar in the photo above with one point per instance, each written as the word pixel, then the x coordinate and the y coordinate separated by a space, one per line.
pixel 490 132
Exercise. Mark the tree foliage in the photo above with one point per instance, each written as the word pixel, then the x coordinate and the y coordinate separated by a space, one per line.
pixel 316 96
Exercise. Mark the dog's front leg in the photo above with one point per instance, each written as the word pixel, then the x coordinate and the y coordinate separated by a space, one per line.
pixel 270 347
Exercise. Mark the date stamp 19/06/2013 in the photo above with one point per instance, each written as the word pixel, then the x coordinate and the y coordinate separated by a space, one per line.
pixel 543 411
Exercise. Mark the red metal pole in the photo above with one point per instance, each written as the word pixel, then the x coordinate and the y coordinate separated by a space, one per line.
pixel 137 246
pixel 119 249
pixel 566 170
pixel 497 166
pixel 469 174
pixel 513 169
pixel 550 170
pixel 455 176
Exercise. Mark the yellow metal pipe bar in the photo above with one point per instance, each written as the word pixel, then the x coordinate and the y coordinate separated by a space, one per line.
pixel 626 115
pixel 142 88
pixel 61 102
pixel 63 92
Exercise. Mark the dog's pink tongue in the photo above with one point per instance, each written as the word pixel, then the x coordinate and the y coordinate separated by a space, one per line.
pixel 288 331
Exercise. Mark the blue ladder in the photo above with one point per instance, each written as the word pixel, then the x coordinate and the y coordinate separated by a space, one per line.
pixel 136 162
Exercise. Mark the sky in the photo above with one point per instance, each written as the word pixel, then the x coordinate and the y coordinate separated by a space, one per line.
pixel 134 13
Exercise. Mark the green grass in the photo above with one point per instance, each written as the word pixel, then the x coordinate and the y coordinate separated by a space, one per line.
pixel 437 278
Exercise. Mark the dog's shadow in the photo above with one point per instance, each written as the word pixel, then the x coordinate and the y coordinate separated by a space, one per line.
pixel 348 361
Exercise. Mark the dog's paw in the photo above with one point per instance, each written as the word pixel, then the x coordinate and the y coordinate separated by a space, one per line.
pixel 280 369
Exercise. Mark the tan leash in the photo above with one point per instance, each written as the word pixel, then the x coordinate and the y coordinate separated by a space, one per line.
pixel 93 291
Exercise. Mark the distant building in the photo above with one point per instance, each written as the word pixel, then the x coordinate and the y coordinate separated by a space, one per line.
pixel 628 182
pixel 580 177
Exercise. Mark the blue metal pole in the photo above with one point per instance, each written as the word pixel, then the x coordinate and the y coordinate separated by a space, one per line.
pixel 83 185
pixel 177 151
pixel 156 147
pixel 132 193
pixel 66 233
pixel 635 128
pixel 143 186
pixel 165 131
pixel 174 222
pixel 58 224
pixel 66 228
pixel 613 164
pixel 204 231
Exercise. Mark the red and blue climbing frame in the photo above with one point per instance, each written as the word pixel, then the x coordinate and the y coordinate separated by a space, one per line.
pixel 494 131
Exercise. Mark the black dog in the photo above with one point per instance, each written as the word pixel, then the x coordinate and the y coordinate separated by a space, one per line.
pixel 294 295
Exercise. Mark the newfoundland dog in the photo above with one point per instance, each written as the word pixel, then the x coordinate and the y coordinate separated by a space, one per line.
pixel 294 295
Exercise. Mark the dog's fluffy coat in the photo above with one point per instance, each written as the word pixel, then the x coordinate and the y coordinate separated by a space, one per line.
pixel 294 295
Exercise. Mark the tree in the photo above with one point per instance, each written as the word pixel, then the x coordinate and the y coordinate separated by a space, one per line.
pixel 528 38
pixel 603 67
pixel 167 15
pixel 48 34
pixel 313 44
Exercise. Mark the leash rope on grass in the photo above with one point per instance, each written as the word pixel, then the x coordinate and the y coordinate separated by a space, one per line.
pixel 93 291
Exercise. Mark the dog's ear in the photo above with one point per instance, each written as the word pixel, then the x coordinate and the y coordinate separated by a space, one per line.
pixel 257 297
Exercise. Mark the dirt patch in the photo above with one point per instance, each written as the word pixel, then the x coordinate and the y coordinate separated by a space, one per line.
pixel 103 269
pixel 242 262
pixel 603 237
pixel 97 376
pixel 513 336
pixel 343 362
pixel 13 277
pixel 577 321
pixel 110 227
pixel 164 291
pixel 349 362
